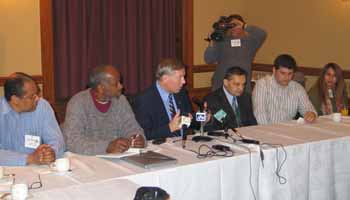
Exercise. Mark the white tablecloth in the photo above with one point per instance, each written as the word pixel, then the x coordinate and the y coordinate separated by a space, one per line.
pixel 317 168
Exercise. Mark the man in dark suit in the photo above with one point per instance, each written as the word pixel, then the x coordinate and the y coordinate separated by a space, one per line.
pixel 159 108
pixel 229 105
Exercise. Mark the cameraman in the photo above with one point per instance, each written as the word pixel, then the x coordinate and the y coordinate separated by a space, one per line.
pixel 237 47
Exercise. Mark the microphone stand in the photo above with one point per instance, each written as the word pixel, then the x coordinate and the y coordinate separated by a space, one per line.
pixel 201 137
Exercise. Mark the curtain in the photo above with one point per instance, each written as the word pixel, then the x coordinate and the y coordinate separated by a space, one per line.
pixel 132 35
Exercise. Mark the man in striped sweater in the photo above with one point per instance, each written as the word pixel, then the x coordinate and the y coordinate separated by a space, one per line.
pixel 278 98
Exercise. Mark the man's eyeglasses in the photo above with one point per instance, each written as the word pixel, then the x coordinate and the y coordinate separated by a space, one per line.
pixel 31 97
pixel 37 184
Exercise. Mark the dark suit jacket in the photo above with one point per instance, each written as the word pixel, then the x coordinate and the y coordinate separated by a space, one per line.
pixel 151 113
pixel 217 100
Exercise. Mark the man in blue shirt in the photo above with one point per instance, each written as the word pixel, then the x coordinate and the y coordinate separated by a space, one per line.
pixel 29 133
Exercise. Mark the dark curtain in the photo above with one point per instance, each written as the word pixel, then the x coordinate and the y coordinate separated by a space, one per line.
pixel 130 34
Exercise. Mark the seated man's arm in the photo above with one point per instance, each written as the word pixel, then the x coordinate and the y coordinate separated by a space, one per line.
pixel 12 158
pixel 260 102
pixel 305 107
pixel 74 128
pixel 128 124
pixel 52 134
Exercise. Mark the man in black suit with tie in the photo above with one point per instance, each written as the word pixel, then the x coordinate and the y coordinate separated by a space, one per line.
pixel 229 105
pixel 159 108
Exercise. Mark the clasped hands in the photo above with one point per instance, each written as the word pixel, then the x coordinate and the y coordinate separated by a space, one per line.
pixel 121 145
pixel 42 155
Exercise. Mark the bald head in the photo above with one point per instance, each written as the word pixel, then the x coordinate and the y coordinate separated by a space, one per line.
pixel 105 82
pixel 102 74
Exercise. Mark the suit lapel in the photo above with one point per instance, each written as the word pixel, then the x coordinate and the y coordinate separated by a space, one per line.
pixel 227 106
pixel 158 101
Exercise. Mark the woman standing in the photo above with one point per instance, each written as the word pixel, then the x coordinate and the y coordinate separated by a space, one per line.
pixel 329 94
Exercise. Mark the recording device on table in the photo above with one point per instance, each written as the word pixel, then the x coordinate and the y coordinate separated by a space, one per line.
pixel 201 116
pixel 220 27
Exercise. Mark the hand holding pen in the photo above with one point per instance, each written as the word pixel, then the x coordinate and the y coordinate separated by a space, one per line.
pixel 137 141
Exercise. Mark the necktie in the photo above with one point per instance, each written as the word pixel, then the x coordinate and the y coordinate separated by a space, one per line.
pixel 236 111
pixel 171 105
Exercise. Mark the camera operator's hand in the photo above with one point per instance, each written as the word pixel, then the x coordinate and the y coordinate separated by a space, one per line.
pixel 209 40
pixel 238 30
pixel 239 23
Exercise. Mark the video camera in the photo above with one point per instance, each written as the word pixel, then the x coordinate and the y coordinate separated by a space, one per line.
pixel 220 27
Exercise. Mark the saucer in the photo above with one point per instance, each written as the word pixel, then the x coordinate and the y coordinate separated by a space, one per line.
pixel 60 173
pixel 8 197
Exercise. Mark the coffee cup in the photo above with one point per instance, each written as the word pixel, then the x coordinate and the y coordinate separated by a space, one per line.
pixel 19 191
pixel 1 172
pixel 61 165
pixel 344 111
pixel 336 117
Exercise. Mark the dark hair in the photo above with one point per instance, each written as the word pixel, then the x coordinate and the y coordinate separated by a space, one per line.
pixel 167 66
pixel 98 75
pixel 340 86
pixel 235 16
pixel 26 76
pixel 14 86
pixel 285 60
pixel 234 71
pixel 151 193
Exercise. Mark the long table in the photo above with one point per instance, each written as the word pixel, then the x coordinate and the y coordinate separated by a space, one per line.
pixel 316 167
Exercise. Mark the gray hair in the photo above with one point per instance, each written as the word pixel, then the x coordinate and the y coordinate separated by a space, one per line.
pixel 168 66
pixel 98 76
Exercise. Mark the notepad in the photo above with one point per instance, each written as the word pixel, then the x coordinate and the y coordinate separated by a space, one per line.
pixel 150 159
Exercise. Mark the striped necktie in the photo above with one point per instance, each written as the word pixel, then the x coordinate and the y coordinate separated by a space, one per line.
pixel 236 111
pixel 171 105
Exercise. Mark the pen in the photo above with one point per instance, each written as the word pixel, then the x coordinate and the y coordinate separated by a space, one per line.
pixel 133 138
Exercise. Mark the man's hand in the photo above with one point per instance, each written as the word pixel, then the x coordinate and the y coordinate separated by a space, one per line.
pixel 310 117
pixel 118 145
pixel 44 154
pixel 137 141
pixel 174 124
pixel 238 23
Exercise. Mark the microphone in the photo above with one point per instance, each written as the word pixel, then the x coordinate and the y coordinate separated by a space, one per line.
pixel 201 116
pixel 199 103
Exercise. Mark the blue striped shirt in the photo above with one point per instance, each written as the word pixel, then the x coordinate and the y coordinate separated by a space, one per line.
pixel 14 126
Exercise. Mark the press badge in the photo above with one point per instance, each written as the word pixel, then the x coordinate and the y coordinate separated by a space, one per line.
pixel 31 141
pixel 236 43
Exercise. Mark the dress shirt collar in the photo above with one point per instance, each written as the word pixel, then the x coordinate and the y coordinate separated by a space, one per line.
pixel 228 95
pixel 163 93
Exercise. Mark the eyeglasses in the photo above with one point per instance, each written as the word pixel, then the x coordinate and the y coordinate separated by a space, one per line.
pixel 36 185
pixel 31 97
